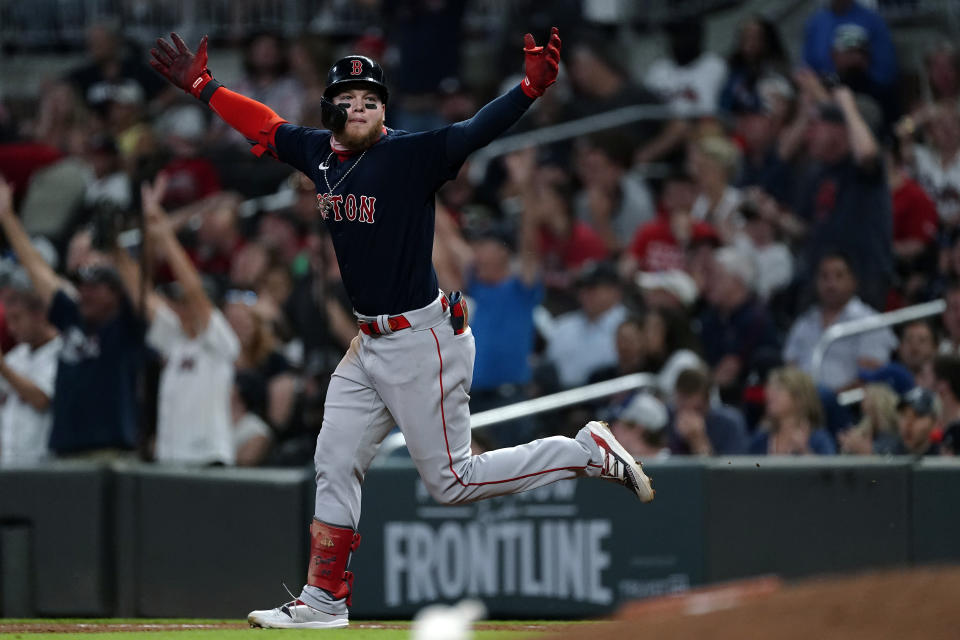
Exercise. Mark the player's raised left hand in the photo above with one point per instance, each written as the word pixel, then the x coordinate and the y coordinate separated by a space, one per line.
pixel 541 64
pixel 158 224
pixel 182 67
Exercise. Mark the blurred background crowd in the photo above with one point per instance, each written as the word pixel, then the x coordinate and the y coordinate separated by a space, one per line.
pixel 166 295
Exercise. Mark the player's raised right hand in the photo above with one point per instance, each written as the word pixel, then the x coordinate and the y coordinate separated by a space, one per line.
pixel 181 66
pixel 541 64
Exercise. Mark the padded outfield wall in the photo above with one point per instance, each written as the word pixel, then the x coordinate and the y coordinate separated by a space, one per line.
pixel 86 540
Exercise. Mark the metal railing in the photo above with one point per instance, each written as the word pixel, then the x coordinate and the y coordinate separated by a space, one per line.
pixel 563 131
pixel 871 323
pixel 551 402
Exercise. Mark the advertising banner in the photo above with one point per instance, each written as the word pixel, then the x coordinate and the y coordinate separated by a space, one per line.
pixel 573 548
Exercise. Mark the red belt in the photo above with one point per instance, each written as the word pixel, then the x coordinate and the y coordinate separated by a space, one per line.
pixel 396 323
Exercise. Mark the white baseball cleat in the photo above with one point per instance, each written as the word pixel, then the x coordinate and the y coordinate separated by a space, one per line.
pixel 618 465
pixel 296 615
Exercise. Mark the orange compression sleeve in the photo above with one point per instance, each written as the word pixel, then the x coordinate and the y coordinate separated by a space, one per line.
pixel 257 122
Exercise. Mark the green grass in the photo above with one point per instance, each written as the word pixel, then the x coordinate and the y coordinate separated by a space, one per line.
pixel 261 634
pixel 352 633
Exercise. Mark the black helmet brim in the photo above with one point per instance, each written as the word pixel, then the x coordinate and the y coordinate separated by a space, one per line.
pixel 380 89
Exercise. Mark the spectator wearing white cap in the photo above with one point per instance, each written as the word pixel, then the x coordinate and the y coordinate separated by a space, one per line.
pixel 641 427
pixel 735 326
pixel 671 289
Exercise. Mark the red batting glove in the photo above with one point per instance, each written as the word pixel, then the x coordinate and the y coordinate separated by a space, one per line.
pixel 541 64
pixel 181 66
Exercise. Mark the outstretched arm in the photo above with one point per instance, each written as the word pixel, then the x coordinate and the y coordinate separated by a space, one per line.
pixel 863 143
pixel 541 65
pixel 44 279
pixel 187 70
pixel 164 239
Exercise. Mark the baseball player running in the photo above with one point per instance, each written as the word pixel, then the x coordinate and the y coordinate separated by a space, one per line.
pixel 411 363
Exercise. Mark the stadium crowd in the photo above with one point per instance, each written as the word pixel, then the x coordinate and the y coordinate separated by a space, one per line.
pixel 710 248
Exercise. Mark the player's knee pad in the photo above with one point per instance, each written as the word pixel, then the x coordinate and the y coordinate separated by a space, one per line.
pixel 330 550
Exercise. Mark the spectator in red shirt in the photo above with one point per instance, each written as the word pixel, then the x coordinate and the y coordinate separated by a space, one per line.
pixel 915 218
pixel 915 227
pixel 654 246
pixel 218 238
pixel 666 243
pixel 565 242
pixel 190 177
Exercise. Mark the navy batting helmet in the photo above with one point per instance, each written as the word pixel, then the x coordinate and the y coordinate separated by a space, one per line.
pixel 355 69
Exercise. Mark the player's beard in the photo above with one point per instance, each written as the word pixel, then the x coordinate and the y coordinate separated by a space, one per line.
pixel 357 141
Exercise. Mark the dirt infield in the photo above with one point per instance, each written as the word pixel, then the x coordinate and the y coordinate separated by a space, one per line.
pixel 893 605
pixel 890 605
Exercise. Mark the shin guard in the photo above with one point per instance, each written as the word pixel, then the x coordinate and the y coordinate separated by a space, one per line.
pixel 330 551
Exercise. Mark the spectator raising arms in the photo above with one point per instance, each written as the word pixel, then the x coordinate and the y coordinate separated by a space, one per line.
pixel 846 200
pixel 94 399
pixel 194 422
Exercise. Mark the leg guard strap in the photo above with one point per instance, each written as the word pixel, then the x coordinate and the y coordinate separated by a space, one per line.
pixel 330 551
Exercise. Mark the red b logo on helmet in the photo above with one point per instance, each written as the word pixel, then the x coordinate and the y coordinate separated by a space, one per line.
pixel 357 68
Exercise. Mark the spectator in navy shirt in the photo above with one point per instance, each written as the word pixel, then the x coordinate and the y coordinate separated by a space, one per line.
pixel 758 51
pixel 698 428
pixel 94 400
pixel 112 71
pixel 735 326
pixel 846 201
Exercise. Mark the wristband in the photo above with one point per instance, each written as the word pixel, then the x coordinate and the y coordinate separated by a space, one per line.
pixel 207 91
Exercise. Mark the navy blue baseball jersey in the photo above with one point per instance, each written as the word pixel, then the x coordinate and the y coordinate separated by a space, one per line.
pixel 382 214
